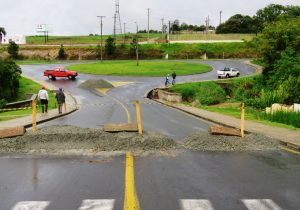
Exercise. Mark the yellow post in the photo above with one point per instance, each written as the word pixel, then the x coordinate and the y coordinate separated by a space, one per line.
pixel 138 117
pixel 243 120
pixel 34 115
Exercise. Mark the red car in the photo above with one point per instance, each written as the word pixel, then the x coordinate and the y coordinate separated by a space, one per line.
pixel 60 72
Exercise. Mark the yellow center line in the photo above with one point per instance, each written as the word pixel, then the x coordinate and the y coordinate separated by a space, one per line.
pixel 119 102
pixel 130 201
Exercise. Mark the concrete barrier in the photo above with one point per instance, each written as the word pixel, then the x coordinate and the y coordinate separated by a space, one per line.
pixel 168 96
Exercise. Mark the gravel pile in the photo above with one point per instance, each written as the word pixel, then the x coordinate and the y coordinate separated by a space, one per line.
pixel 95 83
pixel 68 139
pixel 204 141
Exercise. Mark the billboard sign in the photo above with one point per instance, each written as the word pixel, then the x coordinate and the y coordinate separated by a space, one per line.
pixel 41 28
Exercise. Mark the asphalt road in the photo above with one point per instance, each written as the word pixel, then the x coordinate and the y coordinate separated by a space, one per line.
pixel 189 180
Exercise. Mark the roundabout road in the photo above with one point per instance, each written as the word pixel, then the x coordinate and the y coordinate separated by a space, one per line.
pixel 97 109
pixel 188 181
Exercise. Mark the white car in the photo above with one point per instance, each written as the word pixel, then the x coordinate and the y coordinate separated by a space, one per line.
pixel 228 72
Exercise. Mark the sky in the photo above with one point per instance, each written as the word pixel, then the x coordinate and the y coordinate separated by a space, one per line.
pixel 79 17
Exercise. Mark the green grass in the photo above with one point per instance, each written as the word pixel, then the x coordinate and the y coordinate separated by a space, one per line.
pixel 83 39
pixel 250 114
pixel 146 68
pixel 204 36
pixel 142 37
pixel 27 86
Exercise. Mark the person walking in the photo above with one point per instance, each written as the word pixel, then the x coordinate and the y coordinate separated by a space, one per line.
pixel 60 98
pixel 167 82
pixel 43 98
pixel 174 78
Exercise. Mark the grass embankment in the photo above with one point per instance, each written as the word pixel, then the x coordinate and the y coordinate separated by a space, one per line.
pixel 204 36
pixel 27 86
pixel 145 68
pixel 207 95
pixel 146 51
pixel 142 37
pixel 85 39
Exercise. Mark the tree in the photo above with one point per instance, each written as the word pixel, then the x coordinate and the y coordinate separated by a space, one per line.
pixel 2 32
pixel 110 46
pixel 280 47
pixel 9 80
pixel 13 50
pixel 98 51
pixel 61 52
pixel 237 24
pixel 274 12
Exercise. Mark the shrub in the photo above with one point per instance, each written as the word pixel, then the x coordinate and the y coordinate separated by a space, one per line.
pixel 2 103
pixel 110 46
pixel 61 52
pixel 13 50
pixel 187 91
pixel 289 118
pixel 209 93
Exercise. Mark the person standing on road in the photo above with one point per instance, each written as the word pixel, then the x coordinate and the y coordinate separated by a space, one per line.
pixel 43 98
pixel 167 82
pixel 60 98
pixel 174 78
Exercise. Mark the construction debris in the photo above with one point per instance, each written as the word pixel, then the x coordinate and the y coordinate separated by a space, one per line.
pixel 220 130
pixel 95 84
pixel 12 132
pixel 120 127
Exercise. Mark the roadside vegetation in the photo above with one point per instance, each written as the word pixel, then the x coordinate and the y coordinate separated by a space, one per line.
pixel 146 68
pixel 26 86
pixel 279 82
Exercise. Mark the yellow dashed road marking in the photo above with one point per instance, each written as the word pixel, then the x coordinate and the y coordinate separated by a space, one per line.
pixel 119 84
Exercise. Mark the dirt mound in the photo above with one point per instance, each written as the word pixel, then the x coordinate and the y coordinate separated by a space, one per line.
pixel 95 83
pixel 204 141
pixel 65 139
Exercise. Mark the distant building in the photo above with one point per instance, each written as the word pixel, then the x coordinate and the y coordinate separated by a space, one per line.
pixel 18 39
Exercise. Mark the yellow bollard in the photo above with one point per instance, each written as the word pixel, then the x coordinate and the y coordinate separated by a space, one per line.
pixel 34 116
pixel 243 120
pixel 138 117
pixel 65 106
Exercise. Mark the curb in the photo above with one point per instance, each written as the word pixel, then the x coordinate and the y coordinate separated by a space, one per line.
pixel 196 115
pixel 50 118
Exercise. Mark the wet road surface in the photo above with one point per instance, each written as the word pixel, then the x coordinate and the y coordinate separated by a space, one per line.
pixel 190 180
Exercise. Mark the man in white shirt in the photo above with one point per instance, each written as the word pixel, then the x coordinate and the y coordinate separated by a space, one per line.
pixel 43 98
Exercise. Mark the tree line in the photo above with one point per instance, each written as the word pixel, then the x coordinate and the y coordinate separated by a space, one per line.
pixel 245 24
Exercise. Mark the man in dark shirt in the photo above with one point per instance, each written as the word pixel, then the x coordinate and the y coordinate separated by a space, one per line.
pixel 60 97
pixel 174 77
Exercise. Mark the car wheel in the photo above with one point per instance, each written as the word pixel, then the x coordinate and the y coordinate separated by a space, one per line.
pixel 70 77
pixel 227 75
pixel 50 76
pixel 219 77
pixel 238 74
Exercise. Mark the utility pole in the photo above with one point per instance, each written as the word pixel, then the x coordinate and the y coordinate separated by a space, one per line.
pixel 162 25
pixel 101 43
pixel 115 27
pixel 148 23
pixel 220 17
pixel 137 44
pixel 124 33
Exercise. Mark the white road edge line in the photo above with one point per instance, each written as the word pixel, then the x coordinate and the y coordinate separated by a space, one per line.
pixel 101 204
pixel 193 204
pixel 261 204
pixel 31 205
